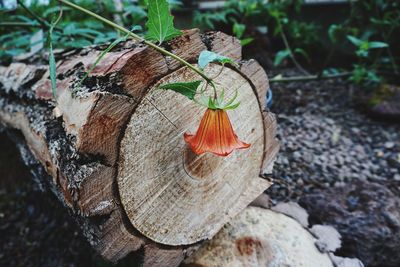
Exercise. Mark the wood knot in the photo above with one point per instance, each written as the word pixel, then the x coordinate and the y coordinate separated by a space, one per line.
pixel 200 166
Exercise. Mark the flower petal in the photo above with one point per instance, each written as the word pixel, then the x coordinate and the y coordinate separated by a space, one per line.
pixel 215 134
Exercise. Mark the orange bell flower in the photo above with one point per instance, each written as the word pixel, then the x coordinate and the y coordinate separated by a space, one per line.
pixel 215 134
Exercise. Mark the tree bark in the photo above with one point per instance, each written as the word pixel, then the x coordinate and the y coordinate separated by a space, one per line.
pixel 112 148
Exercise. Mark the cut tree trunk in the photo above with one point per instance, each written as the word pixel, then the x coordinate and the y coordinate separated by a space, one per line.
pixel 112 147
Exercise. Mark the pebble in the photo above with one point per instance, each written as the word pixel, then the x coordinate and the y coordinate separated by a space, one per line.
pixel 389 145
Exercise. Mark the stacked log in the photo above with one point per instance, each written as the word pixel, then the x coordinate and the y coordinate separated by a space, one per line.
pixel 111 147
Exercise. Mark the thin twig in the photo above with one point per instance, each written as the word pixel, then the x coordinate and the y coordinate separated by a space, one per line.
pixel 42 21
pixel 286 43
pixel 309 78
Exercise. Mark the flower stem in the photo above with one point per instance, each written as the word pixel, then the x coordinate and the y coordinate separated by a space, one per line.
pixel 140 39
pixel 42 22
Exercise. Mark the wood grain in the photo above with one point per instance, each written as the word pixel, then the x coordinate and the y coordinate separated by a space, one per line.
pixel 171 195
pixel 253 71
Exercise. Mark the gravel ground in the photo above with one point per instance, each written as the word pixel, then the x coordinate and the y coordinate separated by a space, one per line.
pixel 326 141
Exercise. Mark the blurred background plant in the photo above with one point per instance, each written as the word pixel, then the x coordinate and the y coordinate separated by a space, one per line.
pixel 24 26
pixel 348 38
pixel 354 36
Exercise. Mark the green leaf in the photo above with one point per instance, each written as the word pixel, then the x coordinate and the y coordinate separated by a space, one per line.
pixel 52 66
pixel 55 9
pixel 187 89
pixel 354 40
pixel 108 37
pixel 303 53
pixel 207 57
pixel 135 10
pixel 280 56
pixel 232 106
pixel 52 61
pixel 238 29
pixel 160 23
pixel 79 43
pixel 246 41
pixel 333 32
pixel 377 45
pixel 211 103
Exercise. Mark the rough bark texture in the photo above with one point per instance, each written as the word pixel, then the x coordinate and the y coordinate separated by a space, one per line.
pixel 101 145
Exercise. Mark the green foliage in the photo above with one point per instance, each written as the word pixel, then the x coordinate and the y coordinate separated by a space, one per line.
pixel 160 23
pixel 284 54
pixel 367 36
pixel 74 31
pixel 372 28
pixel 362 75
pixel 253 18
pixel 303 35
pixel 188 89
pixel 218 101
pixel 209 20
pixel 280 56
pixel 238 30
pixel 244 16
pixel 52 67
pixel 52 61
pixel 207 57
pixel 363 46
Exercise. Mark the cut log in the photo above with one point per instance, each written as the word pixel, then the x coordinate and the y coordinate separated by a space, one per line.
pixel 113 151
pixel 260 237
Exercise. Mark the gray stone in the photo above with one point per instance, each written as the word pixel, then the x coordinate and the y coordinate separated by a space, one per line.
pixel 328 237
pixel 292 209
pixel 346 262
pixel 262 201
pixel 366 214
pixel 389 145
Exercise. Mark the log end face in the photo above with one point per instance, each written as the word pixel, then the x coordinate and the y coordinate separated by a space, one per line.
pixel 173 196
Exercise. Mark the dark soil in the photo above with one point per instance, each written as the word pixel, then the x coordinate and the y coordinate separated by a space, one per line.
pixel 35 230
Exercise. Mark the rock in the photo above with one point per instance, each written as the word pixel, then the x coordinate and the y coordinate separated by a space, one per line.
pixel 292 209
pixel 328 237
pixel 366 214
pixel 389 145
pixel 296 155
pixel 388 107
pixel 260 237
pixel 346 262
pixel 262 201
